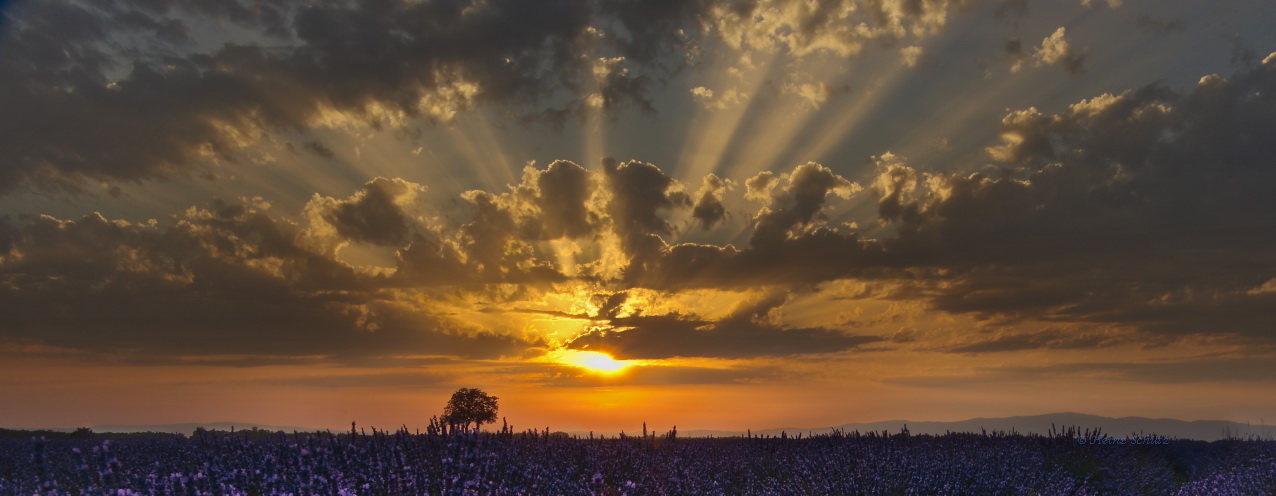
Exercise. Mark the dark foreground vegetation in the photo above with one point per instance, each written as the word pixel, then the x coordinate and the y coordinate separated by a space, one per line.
pixel 257 462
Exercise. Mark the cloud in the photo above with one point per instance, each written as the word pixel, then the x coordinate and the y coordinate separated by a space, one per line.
pixel 839 27
pixel 895 186
pixel 124 94
pixel 790 243
pixel 548 204
pixel 226 279
pixel 332 60
pixel 1146 212
pixel 501 240
pixel 708 209
pixel 749 331
pixel 1142 209
pixel 563 191
pixel 1054 50
pixel 639 193
pixel 911 55
pixel 1054 339
pixel 373 215
pixel 719 100
pixel 814 94
pixel 427 262
pixel 759 186
pixel 798 203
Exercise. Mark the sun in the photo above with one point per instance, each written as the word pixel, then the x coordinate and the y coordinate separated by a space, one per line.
pixel 592 361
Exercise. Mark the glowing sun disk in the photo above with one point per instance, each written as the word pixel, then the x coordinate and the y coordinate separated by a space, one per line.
pixel 593 361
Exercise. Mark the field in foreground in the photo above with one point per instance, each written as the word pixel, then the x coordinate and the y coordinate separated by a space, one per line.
pixel 540 463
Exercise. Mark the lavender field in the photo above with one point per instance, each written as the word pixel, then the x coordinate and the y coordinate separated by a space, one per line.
pixel 544 463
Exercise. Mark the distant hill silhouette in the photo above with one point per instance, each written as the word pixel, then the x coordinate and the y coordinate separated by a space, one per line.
pixel 1205 430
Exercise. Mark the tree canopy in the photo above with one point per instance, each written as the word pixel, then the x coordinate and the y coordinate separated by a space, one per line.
pixel 470 405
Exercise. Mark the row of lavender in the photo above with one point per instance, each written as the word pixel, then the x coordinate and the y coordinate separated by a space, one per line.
pixel 533 463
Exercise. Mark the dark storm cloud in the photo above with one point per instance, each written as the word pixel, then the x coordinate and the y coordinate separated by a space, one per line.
pixel 818 255
pixel 491 231
pixel 708 209
pixel 1149 208
pixel 373 214
pixel 611 304
pixel 790 243
pixel 562 192
pixel 497 242
pixel 223 280
pixel 549 204
pixel 640 194
pixel 797 204
pixel 747 332
pixel 431 262
pixel 167 111
pixel 118 91
pixel 270 16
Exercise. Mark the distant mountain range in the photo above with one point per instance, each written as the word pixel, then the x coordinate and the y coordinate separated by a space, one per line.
pixel 1206 430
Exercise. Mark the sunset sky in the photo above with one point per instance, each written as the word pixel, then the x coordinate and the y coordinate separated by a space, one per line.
pixel 716 214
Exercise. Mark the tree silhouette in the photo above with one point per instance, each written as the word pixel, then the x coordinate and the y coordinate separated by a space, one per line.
pixel 470 405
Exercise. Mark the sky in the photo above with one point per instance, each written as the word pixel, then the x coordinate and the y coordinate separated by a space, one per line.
pixel 713 214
